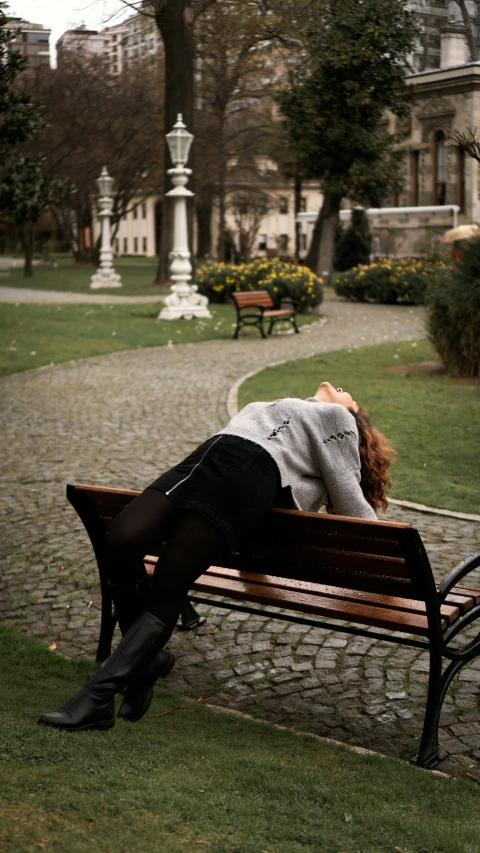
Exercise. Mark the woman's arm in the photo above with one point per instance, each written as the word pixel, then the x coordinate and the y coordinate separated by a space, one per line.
pixel 346 495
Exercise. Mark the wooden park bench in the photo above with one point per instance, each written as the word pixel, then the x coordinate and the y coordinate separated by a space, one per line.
pixel 373 578
pixel 255 306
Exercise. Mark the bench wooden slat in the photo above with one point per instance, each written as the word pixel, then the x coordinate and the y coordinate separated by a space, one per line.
pixel 364 614
pixel 247 298
pixel 330 558
pixel 282 523
pixel 450 610
pixel 369 583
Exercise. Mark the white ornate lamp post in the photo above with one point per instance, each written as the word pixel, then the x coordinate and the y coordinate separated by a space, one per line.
pixel 183 300
pixel 105 275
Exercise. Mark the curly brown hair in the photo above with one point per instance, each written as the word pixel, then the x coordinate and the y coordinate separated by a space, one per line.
pixel 375 453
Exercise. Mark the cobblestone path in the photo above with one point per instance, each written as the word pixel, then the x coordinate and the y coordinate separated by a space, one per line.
pixel 119 420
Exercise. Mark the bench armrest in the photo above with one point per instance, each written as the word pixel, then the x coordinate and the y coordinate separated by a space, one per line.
pixel 290 300
pixel 464 568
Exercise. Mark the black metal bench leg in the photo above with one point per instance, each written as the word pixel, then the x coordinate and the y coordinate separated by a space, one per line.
pixel 107 626
pixel 430 753
pixel 295 325
pixel 190 619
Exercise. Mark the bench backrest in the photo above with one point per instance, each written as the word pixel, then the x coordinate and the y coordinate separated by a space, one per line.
pixel 380 557
pixel 252 297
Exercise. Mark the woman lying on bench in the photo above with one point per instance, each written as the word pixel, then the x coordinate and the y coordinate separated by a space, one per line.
pixel 292 453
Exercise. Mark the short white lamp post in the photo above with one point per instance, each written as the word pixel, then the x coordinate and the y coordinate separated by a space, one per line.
pixel 183 301
pixel 105 275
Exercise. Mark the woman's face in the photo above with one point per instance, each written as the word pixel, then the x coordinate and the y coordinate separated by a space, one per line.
pixel 327 393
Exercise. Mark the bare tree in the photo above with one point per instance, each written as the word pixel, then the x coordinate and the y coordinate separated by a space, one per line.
pixel 469 30
pixel 249 206
pixel 468 142
pixel 94 119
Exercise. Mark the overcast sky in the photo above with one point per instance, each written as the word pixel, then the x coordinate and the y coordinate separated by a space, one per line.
pixel 61 15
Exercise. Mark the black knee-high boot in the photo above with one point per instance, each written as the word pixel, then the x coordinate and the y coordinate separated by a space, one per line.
pixel 129 601
pixel 94 707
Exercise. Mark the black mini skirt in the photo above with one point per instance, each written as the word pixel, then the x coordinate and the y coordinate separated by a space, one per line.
pixel 230 480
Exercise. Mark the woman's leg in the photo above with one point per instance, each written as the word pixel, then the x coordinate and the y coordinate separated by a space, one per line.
pixel 147 520
pixel 194 545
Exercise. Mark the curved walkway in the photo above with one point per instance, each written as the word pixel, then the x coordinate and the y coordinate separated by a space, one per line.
pixel 120 419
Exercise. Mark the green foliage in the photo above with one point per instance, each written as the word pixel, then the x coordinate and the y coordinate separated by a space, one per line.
pixel 19 117
pixel 334 113
pixel 27 191
pixel 405 281
pixel 219 280
pixel 453 322
pixel 433 421
pixel 354 244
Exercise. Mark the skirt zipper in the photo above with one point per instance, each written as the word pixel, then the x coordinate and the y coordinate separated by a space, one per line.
pixel 193 469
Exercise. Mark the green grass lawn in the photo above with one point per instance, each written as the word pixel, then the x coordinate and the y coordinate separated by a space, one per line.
pixel 64 274
pixel 187 778
pixel 37 335
pixel 432 420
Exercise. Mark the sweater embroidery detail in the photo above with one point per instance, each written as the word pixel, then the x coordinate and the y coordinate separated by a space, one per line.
pixel 275 432
pixel 339 436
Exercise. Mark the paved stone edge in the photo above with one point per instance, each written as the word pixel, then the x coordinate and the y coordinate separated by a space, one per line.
pixel 232 409
pixel 359 750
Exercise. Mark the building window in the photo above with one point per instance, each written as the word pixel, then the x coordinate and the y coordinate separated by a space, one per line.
pixel 144 210
pixel 439 168
pixel 415 171
pixel 283 242
pixel 461 179
pixel 262 242
pixel 283 204
pixel 303 242
pixel 135 212
pixel 116 245
pixel 303 204
pixel 125 245
pixel 135 245
pixel 144 245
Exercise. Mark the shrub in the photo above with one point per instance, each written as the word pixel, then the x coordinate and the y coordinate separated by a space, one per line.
pixel 389 282
pixel 353 246
pixel 218 280
pixel 453 320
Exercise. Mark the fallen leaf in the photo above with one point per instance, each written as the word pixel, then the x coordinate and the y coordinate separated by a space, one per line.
pixel 52 646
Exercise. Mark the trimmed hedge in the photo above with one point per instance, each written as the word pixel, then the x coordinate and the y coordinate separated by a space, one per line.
pixel 218 280
pixel 453 320
pixel 389 282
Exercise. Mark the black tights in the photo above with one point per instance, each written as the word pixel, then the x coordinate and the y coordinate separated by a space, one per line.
pixel 193 544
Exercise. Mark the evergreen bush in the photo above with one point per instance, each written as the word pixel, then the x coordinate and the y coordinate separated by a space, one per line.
pixel 218 280
pixel 389 282
pixel 453 320
pixel 354 245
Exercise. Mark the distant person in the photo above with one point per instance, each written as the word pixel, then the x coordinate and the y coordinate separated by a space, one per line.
pixel 292 453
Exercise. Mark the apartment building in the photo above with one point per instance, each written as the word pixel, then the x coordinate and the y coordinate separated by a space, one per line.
pixel 32 41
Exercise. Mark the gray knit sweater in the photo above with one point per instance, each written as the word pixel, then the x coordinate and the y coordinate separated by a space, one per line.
pixel 315 446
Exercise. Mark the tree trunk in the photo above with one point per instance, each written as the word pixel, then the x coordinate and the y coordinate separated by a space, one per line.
pixel 297 206
pixel 27 237
pixel 320 253
pixel 175 22
pixel 467 23
pixel 204 227
pixel 222 214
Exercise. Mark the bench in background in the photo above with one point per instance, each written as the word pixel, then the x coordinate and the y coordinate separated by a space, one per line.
pixel 255 306
pixel 363 574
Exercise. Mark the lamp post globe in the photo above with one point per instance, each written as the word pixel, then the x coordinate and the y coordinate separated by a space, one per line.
pixel 105 275
pixel 183 300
